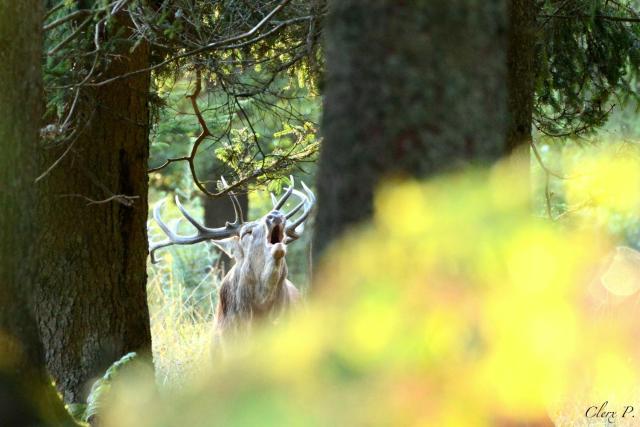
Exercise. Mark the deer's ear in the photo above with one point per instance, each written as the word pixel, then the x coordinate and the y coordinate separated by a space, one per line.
pixel 230 246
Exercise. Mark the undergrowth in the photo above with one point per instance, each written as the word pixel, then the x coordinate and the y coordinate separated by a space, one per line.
pixel 181 320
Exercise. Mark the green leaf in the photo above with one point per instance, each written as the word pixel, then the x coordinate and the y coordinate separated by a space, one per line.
pixel 77 410
pixel 101 387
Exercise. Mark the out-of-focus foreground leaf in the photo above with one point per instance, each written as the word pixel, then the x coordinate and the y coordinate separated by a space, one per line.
pixel 455 306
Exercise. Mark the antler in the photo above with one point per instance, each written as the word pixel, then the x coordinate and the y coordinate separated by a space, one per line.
pixel 202 233
pixel 277 204
pixel 308 201
pixel 237 209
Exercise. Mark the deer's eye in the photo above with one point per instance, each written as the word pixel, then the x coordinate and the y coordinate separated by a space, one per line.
pixel 246 232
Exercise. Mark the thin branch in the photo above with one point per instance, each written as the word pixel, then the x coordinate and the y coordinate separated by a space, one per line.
pixel 573 210
pixel 123 199
pixel 56 163
pixel 542 165
pixel 211 46
pixel 166 163
pixel 53 10
pixel 71 110
pixel 268 33
pixel 547 175
pixel 586 16
pixel 66 18
pixel 70 37
pixel 67 150
pixel 626 7
pixel 547 193
pixel 278 164
pixel 557 11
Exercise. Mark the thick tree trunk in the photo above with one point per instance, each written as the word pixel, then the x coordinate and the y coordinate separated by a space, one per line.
pixel 92 300
pixel 26 396
pixel 412 88
pixel 218 211
pixel 521 75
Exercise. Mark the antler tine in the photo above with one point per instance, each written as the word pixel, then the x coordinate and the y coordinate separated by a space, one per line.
pixel 274 201
pixel 203 233
pixel 154 248
pixel 293 211
pixel 186 214
pixel 286 195
pixel 156 215
pixel 308 200
pixel 206 233
pixel 237 209
pixel 158 218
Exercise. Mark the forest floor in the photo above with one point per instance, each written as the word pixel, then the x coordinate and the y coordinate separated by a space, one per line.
pixel 181 333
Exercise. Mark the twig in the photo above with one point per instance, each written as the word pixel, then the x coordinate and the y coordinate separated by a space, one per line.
pixel 71 110
pixel 123 199
pixel 66 151
pixel 210 46
pixel 70 36
pixel 56 163
pixel 542 165
pixel 585 16
pixel 573 210
pixel 53 10
pixel 66 18
pixel 167 162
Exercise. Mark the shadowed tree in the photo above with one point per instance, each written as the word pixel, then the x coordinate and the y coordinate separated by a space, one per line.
pixel 521 75
pixel 93 188
pixel 412 89
pixel 91 298
pixel 26 395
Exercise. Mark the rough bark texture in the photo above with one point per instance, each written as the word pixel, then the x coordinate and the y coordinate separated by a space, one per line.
pixel 91 300
pixel 20 102
pixel 521 75
pixel 218 211
pixel 26 397
pixel 412 88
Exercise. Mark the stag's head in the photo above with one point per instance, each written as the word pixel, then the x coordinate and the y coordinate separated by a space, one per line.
pixel 258 247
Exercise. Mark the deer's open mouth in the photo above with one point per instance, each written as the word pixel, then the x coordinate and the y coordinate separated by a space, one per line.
pixel 277 234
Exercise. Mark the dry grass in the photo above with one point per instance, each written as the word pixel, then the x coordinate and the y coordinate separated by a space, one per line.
pixel 181 325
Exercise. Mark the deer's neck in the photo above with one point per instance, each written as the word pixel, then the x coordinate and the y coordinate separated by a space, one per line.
pixel 270 288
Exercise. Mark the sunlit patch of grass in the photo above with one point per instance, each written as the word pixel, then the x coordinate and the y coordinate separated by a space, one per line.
pixel 181 326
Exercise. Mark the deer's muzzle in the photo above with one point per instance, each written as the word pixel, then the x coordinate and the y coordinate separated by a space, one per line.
pixel 275 224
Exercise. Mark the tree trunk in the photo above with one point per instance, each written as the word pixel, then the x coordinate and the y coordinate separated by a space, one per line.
pixel 92 300
pixel 26 396
pixel 412 89
pixel 521 75
pixel 219 211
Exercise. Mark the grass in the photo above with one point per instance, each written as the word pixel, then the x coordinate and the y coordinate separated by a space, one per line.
pixel 181 324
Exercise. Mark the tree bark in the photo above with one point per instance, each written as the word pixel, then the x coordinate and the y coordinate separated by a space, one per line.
pixel 521 75
pixel 412 89
pixel 91 299
pixel 26 396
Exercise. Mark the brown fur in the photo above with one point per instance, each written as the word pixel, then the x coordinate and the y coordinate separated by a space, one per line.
pixel 256 289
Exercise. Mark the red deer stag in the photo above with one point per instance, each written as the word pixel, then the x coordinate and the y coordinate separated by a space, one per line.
pixel 256 287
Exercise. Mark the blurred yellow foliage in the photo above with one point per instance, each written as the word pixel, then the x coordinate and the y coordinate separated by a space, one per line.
pixel 454 307
pixel 623 275
pixel 605 177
